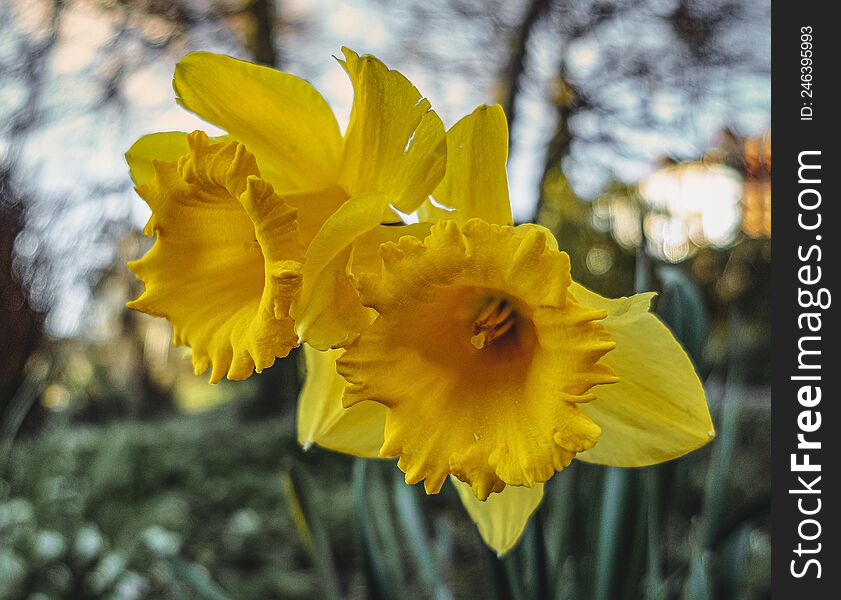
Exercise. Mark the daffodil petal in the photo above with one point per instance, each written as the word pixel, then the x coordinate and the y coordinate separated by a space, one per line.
pixel 226 261
pixel 475 183
pixel 323 420
pixel 167 146
pixel 503 517
pixel 281 118
pixel 366 248
pixel 314 208
pixel 657 411
pixel 334 314
pixel 394 144
pixel 327 311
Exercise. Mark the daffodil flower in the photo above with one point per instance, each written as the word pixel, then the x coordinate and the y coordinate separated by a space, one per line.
pixel 267 220
pixel 467 352
pixel 486 363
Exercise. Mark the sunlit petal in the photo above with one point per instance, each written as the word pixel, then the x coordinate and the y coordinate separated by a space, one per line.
pixel 475 183
pixel 281 118
pixel 394 145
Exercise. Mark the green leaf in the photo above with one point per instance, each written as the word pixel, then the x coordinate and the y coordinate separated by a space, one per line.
pixel 697 585
pixel 380 585
pixel 504 574
pixel 411 521
pixel 723 451
pixel 558 530
pixel 302 504
pixel 610 534
pixel 536 551
pixel 732 564
pixel 653 481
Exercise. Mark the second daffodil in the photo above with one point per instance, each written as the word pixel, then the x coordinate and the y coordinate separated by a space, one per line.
pixel 261 226
pixel 487 364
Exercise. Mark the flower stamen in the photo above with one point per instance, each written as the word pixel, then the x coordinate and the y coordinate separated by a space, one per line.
pixel 495 320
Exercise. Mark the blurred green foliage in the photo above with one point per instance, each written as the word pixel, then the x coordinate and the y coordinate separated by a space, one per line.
pixel 151 510
pixel 198 507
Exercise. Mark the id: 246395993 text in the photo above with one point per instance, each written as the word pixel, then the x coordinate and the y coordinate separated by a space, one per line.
pixel 806 74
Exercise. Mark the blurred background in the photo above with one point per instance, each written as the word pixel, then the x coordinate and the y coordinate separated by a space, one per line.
pixel 639 135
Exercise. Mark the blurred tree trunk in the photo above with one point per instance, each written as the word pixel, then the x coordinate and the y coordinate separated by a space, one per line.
pixel 20 324
pixel 263 12
pixel 559 145
pixel 567 99
pixel 516 67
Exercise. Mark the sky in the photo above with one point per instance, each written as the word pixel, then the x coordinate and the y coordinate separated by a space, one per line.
pixel 74 158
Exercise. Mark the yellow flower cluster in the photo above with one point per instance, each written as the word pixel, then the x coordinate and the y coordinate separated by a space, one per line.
pixel 459 345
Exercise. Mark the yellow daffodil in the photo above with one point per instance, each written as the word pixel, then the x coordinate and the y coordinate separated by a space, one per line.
pixel 270 218
pixel 488 364
pixel 463 348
